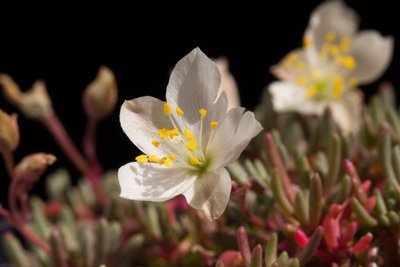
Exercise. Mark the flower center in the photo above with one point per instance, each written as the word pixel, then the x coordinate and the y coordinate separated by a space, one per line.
pixel 331 75
pixel 184 147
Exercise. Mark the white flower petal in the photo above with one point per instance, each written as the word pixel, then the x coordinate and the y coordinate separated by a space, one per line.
pixel 290 73
pixel 372 53
pixel 153 182
pixel 231 137
pixel 288 96
pixel 194 84
pixel 347 112
pixel 331 16
pixel 211 193
pixel 140 119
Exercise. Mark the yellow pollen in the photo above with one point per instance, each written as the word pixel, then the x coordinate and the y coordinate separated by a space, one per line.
pixel 330 37
pixel 301 80
pixel 172 133
pixel 162 160
pixel 188 135
pixel 346 61
pixel 337 87
pixel 168 162
pixel 192 145
pixel 307 42
pixel 171 156
pixel 155 143
pixel 142 159
pixel 153 158
pixel 353 82
pixel 163 133
pixel 333 50
pixel 167 108
pixel 214 124
pixel 179 111
pixel 194 161
pixel 203 112
pixel 345 44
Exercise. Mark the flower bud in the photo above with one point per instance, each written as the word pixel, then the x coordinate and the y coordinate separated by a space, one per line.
pixel 100 95
pixel 9 132
pixel 35 103
pixel 33 166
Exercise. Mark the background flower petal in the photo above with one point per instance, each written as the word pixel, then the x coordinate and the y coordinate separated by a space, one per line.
pixel 372 53
pixel 331 16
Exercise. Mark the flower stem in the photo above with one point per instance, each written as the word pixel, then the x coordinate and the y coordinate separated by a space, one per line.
pixel 55 127
pixel 89 146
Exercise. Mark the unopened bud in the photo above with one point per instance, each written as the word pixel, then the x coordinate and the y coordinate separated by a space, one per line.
pixel 9 132
pixel 33 166
pixel 35 103
pixel 100 95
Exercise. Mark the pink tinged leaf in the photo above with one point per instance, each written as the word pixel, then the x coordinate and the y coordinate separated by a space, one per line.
pixel 300 238
pixel 362 244
pixel 350 232
pixel 331 233
pixel 243 244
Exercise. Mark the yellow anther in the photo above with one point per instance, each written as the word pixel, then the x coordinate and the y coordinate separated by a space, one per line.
pixel 163 133
pixel 167 108
pixel 314 73
pixel 142 159
pixel 299 66
pixel 171 156
pixel 179 111
pixel 188 135
pixel 312 90
pixel 292 56
pixel 155 143
pixel 353 82
pixel 172 133
pixel 346 61
pixel 168 162
pixel 330 37
pixel 337 87
pixel 214 124
pixel 203 112
pixel 153 158
pixel 191 145
pixel 333 50
pixel 307 41
pixel 162 160
pixel 345 44
pixel 301 80
pixel 194 161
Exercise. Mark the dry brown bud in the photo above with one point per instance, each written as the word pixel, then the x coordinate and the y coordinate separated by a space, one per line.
pixel 9 132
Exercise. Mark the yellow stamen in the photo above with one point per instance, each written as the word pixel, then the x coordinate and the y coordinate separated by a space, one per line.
pixel 346 61
pixel 171 156
pixel 312 90
pixel 167 108
pixel 330 37
pixel 142 159
pixel 307 42
pixel 194 161
pixel 179 111
pixel 155 143
pixel 163 133
pixel 153 158
pixel 301 80
pixel 203 112
pixel 337 87
pixel 299 66
pixel 353 82
pixel 162 160
pixel 214 124
pixel 345 44
pixel 188 135
pixel 192 145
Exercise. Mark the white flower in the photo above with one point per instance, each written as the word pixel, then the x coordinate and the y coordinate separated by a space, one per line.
pixel 331 64
pixel 187 140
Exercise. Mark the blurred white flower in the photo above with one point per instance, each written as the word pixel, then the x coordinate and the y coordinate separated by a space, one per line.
pixel 187 140
pixel 334 60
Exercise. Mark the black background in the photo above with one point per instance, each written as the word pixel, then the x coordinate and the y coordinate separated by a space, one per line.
pixel 65 45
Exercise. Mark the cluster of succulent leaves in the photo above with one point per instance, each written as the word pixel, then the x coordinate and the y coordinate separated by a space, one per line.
pixel 303 195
